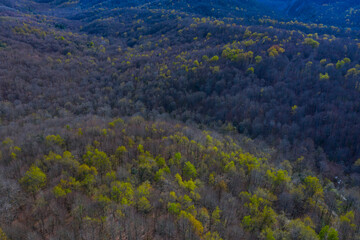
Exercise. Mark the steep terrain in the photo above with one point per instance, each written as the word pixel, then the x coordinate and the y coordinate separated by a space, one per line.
pixel 236 121
pixel 265 78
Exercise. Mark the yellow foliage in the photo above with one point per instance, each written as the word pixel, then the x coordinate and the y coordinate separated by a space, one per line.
pixel 196 224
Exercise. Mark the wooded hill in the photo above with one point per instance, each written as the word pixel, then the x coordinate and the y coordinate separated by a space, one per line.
pixel 278 100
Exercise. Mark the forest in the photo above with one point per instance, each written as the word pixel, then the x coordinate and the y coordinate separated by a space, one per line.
pixel 179 119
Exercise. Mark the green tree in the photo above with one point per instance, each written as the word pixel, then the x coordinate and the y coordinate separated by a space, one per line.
pixel 278 178
pixel 99 160
pixel 298 230
pixel 324 76
pixel 328 233
pixel 189 170
pixel 214 59
pixel 122 192
pixel 55 140
pixel 311 42
pixel 215 216
pixel 250 70
pixel 59 192
pixel 212 236
pixel 230 167
pixel 313 187
pixel 86 176
pixel 177 159
pixel 33 180
pixel 347 225
pixel 268 234
pixel 142 193
pixel 174 208
pixel 196 224
pixel 340 64
pixel 258 59
pixel 143 205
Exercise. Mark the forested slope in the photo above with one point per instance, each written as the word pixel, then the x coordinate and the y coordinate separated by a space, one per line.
pixel 281 81
pixel 234 124
pixel 137 179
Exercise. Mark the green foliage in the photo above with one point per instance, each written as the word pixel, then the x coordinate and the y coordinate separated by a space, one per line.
pixel 352 72
pixel 204 216
pixel 230 167
pixel 159 175
pixel 275 50
pixel 117 123
pixel 250 70
pixel 298 230
pixel 189 185
pixel 98 159
pixel 357 163
pixel 143 205
pixel 347 60
pixel 177 159
pixel 311 42
pixel 15 151
pixel 323 61
pixel 140 148
pixel 347 223
pixel 34 179
pixel 215 216
pixel 59 192
pixel 143 190
pixel 120 151
pixel 324 76
pixel 189 170
pixel 279 177
pixel 67 161
pixel 237 55
pixel 84 170
pixel 55 140
pixel 258 59
pixel 178 195
pixel 328 233
pixel 122 192
pixel 211 179
pixel 268 234
pixel 214 59
pixel 186 201
pixel 261 215
pixel 212 236
pixel 65 187
pixel 196 225
pixel 160 161
pixel 341 63
pixel 110 176
pixel 3 235
pixel 313 187
pixel 174 208
pixel 124 174
pixel 248 161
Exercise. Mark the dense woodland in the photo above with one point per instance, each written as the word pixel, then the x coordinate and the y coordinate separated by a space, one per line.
pixel 236 123
pixel 134 179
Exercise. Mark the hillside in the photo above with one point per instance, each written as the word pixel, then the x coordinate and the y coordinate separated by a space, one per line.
pixel 88 178
pixel 344 13
pixel 179 119
pixel 200 69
